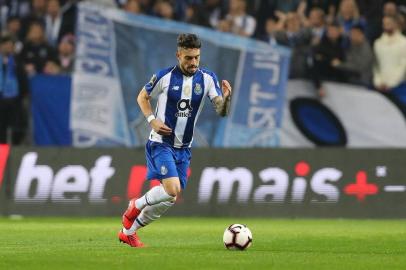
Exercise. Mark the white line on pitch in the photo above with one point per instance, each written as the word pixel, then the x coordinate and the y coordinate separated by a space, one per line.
pixel 395 188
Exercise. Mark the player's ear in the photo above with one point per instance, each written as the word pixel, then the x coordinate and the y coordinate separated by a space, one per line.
pixel 177 54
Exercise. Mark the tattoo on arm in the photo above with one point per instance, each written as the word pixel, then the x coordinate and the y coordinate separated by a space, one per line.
pixel 222 106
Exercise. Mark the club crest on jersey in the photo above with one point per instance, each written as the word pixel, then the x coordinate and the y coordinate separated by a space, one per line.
pixel 164 170
pixel 185 108
pixel 198 89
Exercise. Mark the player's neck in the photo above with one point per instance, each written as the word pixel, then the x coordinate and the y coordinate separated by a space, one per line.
pixel 184 72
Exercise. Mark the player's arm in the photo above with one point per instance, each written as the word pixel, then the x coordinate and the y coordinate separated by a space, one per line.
pixel 143 100
pixel 222 103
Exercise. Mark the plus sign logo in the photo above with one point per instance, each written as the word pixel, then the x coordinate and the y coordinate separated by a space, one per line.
pixel 361 188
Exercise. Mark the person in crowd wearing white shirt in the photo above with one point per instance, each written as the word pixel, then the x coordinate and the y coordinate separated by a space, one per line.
pixel 237 20
pixel 53 21
pixel 390 56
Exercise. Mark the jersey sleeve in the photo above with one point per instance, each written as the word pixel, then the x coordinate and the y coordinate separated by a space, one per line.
pixel 154 86
pixel 213 86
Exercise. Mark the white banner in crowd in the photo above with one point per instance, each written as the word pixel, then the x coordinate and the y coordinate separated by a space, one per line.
pixel 368 117
pixel 97 103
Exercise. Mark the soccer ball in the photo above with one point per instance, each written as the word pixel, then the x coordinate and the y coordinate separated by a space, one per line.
pixel 237 236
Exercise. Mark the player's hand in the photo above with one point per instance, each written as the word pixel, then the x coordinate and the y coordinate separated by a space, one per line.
pixel 160 127
pixel 226 87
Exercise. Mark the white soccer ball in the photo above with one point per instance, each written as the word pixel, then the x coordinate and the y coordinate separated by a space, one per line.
pixel 237 236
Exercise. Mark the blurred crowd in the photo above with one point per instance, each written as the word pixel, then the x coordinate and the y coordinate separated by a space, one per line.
pixel 353 41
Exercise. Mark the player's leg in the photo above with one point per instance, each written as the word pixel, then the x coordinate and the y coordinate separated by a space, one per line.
pixel 161 165
pixel 145 210
pixel 163 193
pixel 172 186
pixel 148 215
pixel 153 204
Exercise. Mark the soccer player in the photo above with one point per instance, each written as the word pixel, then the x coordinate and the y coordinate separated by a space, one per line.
pixel 180 90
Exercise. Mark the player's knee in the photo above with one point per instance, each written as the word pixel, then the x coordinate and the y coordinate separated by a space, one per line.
pixel 172 187
pixel 173 190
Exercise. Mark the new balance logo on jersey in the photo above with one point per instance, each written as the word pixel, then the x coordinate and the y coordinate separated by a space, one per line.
pixel 183 105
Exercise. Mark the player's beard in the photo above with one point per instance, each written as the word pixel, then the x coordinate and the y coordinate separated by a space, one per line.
pixel 188 71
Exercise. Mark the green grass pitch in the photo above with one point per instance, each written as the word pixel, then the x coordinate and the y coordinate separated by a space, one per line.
pixel 196 243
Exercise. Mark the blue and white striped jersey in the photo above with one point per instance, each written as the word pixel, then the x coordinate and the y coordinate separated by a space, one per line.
pixel 180 101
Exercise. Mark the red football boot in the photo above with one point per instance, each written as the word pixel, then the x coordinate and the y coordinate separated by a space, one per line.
pixel 132 240
pixel 130 215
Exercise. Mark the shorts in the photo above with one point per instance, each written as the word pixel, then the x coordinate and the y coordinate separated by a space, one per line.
pixel 164 161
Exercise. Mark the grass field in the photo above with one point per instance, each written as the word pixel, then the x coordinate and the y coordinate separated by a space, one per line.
pixel 196 243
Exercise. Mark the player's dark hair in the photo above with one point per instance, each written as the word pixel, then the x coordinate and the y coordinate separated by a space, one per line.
pixel 189 41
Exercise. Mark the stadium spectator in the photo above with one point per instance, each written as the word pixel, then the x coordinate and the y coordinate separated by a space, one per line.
pixel 325 54
pixel 297 38
pixel 181 6
pixel 373 16
pixel 13 85
pixel 196 14
pixel 13 28
pixel 37 14
pixel 263 13
pixel 57 24
pixel 13 8
pixel 329 7
pixel 146 6
pixel 106 3
pixel 18 8
pixel 357 66
pixel 390 54
pixel 348 15
pixel 132 6
pixel 164 9
pixel 36 52
pixel 65 62
pixel 66 50
pixel 69 11
pixel 316 22
pixel 215 10
pixel 272 26
pixel 53 22
pixel 237 20
pixel 391 9
pixel 286 6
